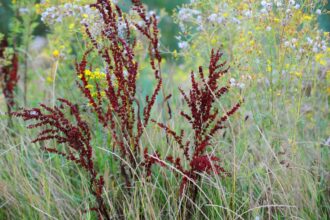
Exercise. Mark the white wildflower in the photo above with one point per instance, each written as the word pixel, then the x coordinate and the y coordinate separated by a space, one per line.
pixel 263 11
pixel 33 113
pixel 183 45
pixel 278 3
pixel 232 82
pixel 324 48
pixel 241 85
pixel 235 20
pixel 220 20
pixel 248 13
pixel 186 14
pixel 199 19
pixel 292 2
pixel 263 3
pixel 309 40
pixel 213 17
pixel 23 10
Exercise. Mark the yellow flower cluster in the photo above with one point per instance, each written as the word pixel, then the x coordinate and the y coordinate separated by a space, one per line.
pixel 97 74
pixel 320 58
pixel 94 75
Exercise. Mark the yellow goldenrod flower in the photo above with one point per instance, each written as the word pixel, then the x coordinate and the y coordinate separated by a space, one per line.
pixel 277 20
pixel 88 72
pixel 175 54
pixel 213 41
pixel 319 58
pixel 38 8
pixel 297 74
pixel 307 17
pixel 49 79
pixel 56 53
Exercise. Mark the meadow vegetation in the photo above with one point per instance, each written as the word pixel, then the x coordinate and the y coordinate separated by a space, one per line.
pixel 102 118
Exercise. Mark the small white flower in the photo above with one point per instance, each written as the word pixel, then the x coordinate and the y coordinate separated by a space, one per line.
pixel 232 82
pixel 212 17
pixel 33 113
pixel 241 85
pixel 268 28
pixel 263 11
pixel 279 4
pixel 294 40
pixel 292 2
pixel 297 6
pixel 235 20
pixel 68 6
pixel 286 43
pixel 183 45
pixel 23 10
pixel 324 48
pixel 309 40
pixel 140 23
pixel 59 19
pixel 318 11
pixel 248 13
pixel 220 20
pixel 199 19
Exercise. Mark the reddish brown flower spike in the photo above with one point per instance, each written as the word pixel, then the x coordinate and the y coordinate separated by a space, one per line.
pixel 204 119
pixel 8 77
pixel 76 137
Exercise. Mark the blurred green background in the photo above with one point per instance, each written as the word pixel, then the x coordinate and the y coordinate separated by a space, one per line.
pixel 168 28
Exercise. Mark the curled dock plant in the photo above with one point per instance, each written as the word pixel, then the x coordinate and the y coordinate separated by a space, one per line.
pixel 74 134
pixel 205 121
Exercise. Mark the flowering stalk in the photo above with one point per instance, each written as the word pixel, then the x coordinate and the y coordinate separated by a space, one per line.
pixel 76 138
pixel 205 122
pixel 8 75
pixel 120 110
